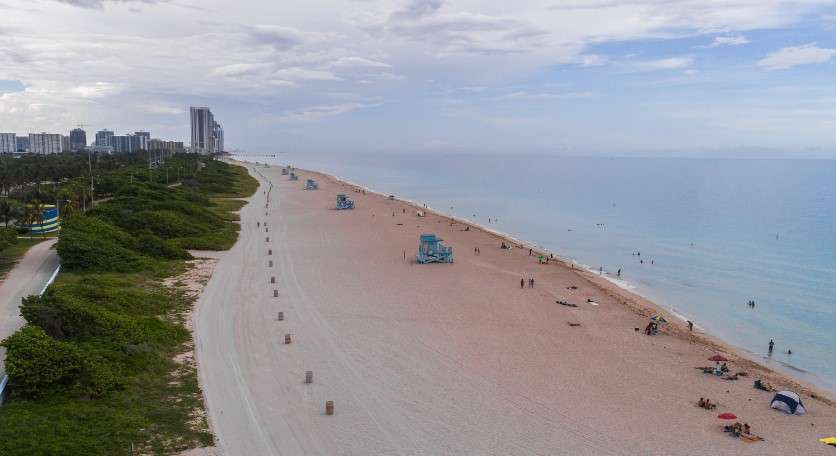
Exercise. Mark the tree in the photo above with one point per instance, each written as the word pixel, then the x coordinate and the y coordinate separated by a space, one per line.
pixel 8 209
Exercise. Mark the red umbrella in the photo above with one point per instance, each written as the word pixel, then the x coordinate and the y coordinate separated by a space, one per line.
pixel 718 358
pixel 727 416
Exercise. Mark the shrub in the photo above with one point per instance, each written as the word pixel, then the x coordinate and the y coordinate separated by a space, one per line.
pixel 38 364
pixel 90 243
pixel 8 237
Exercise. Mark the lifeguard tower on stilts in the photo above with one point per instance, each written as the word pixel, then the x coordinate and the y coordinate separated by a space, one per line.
pixel 431 250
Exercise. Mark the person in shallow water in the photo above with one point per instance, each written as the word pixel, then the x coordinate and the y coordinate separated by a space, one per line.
pixel 771 345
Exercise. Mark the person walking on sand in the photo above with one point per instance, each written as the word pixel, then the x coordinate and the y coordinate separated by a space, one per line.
pixel 522 283
pixel 690 325
pixel 529 252
pixel 771 346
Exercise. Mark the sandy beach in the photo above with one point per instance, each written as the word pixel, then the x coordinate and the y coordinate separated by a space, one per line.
pixel 455 358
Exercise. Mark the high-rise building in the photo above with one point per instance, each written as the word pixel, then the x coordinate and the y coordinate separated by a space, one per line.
pixel 169 147
pixel 217 138
pixel 207 134
pixel 104 137
pixel 128 143
pixel 121 143
pixel 45 143
pixel 22 144
pixel 78 139
pixel 8 143
pixel 144 138
pixel 65 143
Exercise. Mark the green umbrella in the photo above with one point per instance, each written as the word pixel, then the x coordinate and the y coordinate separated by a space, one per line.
pixel 658 319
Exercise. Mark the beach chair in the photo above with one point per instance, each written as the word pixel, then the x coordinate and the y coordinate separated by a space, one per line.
pixel 431 250
pixel 343 202
pixel 311 184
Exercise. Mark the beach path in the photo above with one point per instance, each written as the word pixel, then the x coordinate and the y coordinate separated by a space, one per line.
pixel 445 359
pixel 29 276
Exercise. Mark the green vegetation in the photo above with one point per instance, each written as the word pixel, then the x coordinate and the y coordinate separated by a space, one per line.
pixel 12 249
pixel 98 369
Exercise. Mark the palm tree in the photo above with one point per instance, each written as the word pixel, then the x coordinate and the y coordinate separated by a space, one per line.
pixel 7 210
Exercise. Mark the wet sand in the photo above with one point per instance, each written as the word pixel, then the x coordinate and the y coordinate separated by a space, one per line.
pixel 451 358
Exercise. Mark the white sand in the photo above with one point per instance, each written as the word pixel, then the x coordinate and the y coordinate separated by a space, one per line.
pixel 446 359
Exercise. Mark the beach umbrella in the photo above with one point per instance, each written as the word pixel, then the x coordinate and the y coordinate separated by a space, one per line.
pixel 718 358
pixel 829 440
pixel 727 416
pixel 658 319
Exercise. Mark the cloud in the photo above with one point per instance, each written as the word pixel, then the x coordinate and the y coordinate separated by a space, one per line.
pixel 463 32
pixel 161 109
pixel 671 63
pixel 590 60
pixel 416 9
pixel 789 57
pixel 302 74
pixel 98 4
pixel 359 62
pixel 533 96
pixel 719 41
pixel 96 90
pixel 278 37
pixel 241 69
pixel 317 113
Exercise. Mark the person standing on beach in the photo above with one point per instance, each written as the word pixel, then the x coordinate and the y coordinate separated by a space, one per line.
pixel 618 274
pixel 690 325
pixel 529 252
pixel 522 283
pixel 771 346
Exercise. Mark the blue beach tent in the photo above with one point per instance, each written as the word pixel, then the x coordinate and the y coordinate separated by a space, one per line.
pixel 788 402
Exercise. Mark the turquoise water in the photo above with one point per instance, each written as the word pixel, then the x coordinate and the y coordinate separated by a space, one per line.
pixel 719 232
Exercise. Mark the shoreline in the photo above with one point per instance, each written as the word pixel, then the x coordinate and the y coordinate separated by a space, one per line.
pixel 632 299
pixel 451 359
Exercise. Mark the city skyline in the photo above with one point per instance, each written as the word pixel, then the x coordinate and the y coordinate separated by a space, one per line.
pixel 581 76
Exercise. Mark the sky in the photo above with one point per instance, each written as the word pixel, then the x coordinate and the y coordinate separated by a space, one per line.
pixel 652 77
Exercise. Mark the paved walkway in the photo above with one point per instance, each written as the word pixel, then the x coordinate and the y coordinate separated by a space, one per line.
pixel 28 277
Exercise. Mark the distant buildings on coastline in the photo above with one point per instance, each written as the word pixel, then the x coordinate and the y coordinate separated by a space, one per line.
pixel 207 137
pixel 207 134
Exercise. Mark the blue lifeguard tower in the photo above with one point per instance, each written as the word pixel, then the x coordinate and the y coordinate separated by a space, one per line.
pixel 293 177
pixel 343 202
pixel 431 250
pixel 311 185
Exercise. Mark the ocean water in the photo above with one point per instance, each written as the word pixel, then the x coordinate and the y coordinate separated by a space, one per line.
pixel 712 233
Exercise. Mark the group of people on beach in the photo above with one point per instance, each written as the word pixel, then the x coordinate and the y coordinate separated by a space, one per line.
pixel 737 429
pixel 530 283
pixel 706 404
